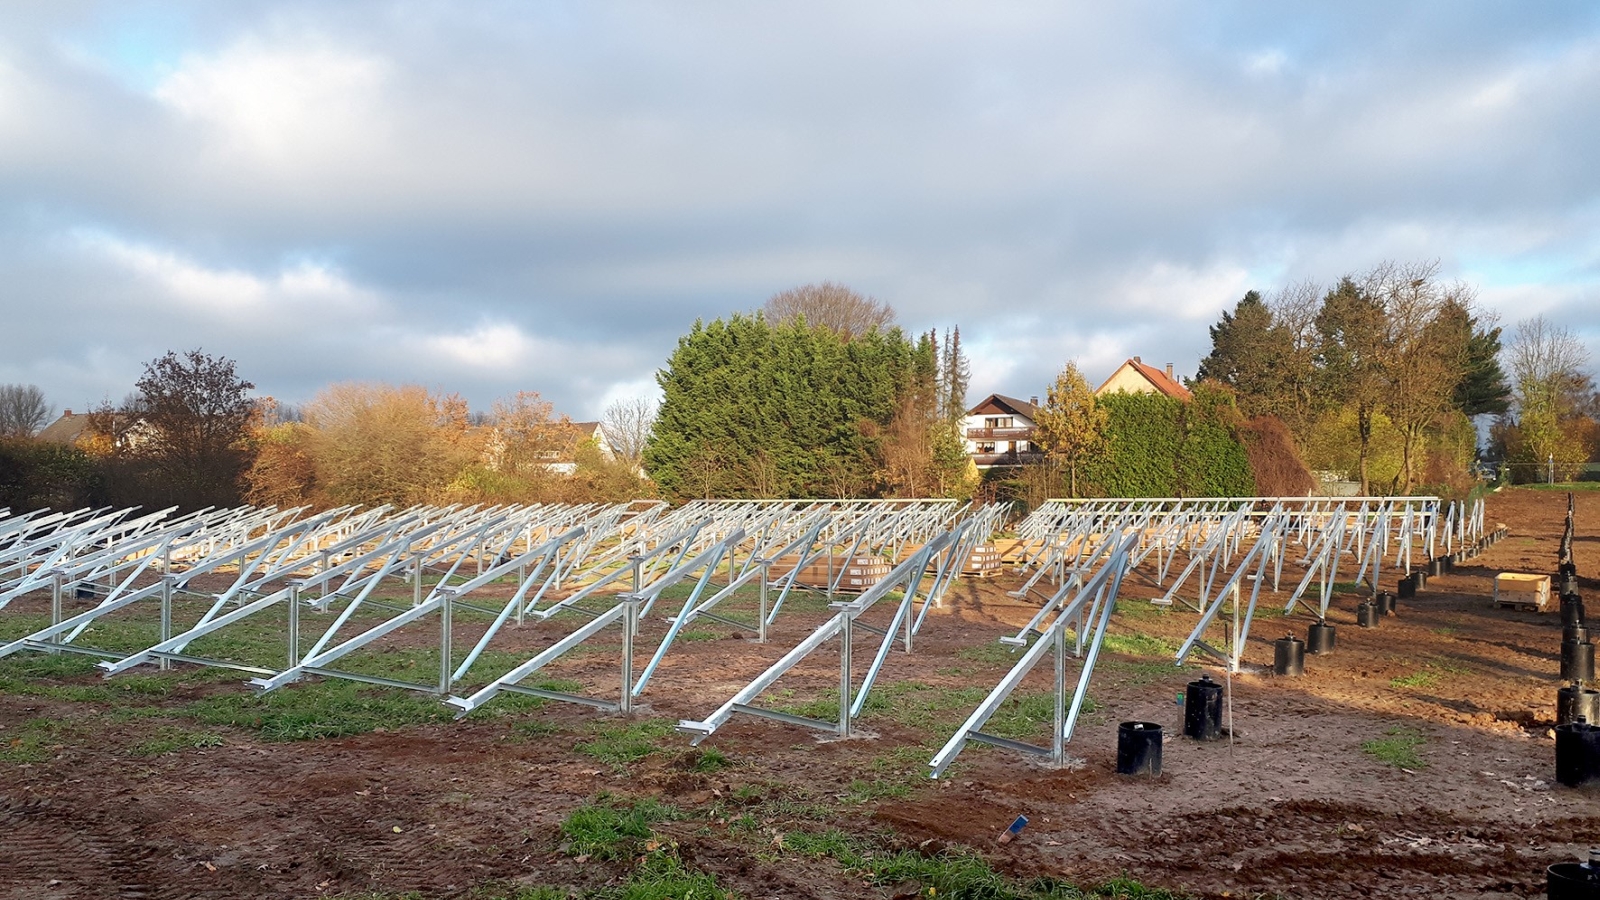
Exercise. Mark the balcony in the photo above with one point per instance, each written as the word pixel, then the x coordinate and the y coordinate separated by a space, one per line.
pixel 1000 434
pixel 1008 458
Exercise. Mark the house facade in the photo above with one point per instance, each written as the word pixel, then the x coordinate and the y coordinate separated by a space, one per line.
pixel 999 432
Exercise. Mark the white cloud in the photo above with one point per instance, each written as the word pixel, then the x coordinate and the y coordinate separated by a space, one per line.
pixel 300 293
pixel 283 105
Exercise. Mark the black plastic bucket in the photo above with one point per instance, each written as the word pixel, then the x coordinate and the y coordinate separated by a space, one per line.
pixel 1577 661
pixel 1435 567
pixel 1574 634
pixel 1420 579
pixel 1367 615
pixel 1407 586
pixel 1574 703
pixel 1447 564
pixel 1138 748
pixel 1567 584
pixel 1288 656
pixel 1385 602
pixel 1202 710
pixel 1577 754
pixel 1574 881
pixel 1319 638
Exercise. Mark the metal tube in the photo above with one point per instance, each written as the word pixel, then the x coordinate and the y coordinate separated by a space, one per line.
pixel 445 605
pixel 294 624
pixel 846 620
pixel 166 615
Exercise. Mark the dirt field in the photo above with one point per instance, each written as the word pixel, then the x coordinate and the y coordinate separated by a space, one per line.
pixel 136 787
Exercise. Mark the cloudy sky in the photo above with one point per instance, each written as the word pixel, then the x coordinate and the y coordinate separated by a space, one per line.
pixel 488 197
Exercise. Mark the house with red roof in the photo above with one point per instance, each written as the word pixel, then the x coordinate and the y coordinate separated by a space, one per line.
pixel 1135 377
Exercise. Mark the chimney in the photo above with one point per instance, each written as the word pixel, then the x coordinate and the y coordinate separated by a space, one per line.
pixel 1138 360
pixel 1033 401
pixel 1169 371
pixel 66 412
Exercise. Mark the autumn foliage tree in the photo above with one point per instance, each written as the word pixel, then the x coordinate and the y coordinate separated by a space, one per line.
pixel 1070 427
pixel 181 438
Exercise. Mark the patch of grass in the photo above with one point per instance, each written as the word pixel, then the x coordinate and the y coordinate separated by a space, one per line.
pixel 699 634
pixel 34 741
pixel 329 708
pixel 710 759
pixel 1140 672
pixel 661 875
pixel 1398 749
pixel 864 791
pixel 1137 645
pixel 1024 716
pixel 173 740
pixel 625 743
pixel 610 828
pixel 1420 679
pixel 996 654
pixel 533 728
pixel 1140 609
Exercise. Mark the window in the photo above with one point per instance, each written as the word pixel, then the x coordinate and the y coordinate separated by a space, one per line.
pixel 998 422
pixel 986 446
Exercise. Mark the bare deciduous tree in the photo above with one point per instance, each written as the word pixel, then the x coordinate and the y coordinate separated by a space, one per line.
pixel 832 306
pixel 22 410
pixel 627 425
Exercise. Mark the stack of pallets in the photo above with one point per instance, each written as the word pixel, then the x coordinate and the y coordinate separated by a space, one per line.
pixel 853 574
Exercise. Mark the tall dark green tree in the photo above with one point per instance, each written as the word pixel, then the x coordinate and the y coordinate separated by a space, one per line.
pixel 1483 388
pixel 751 408
pixel 1248 353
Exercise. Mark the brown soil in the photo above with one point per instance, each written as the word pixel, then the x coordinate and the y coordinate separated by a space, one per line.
pixel 1291 806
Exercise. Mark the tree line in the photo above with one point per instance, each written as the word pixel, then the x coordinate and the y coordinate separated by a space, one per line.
pixel 820 394
pixel 191 435
pixel 1379 377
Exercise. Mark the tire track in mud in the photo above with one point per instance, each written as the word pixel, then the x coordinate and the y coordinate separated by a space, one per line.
pixel 49 841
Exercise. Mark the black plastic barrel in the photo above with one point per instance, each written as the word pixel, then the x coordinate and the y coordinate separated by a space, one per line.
pixel 1289 656
pixel 1139 748
pixel 1319 638
pixel 1407 587
pixel 1574 881
pixel 1385 603
pixel 1571 609
pixel 1574 703
pixel 1420 579
pixel 1577 754
pixel 1435 567
pixel 1202 710
pixel 1577 661
pixel 1367 615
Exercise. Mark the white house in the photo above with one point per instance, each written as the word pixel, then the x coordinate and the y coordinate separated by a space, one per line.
pixel 999 431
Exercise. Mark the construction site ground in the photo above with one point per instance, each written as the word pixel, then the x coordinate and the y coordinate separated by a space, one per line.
pixel 1415 760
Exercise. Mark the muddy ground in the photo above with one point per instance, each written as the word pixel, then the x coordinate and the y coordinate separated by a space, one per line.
pixel 128 792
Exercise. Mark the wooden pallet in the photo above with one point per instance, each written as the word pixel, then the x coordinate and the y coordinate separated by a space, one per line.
pixel 1525 606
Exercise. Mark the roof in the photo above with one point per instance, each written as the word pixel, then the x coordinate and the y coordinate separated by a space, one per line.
pixel 65 430
pixel 1158 380
pixel 1009 404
